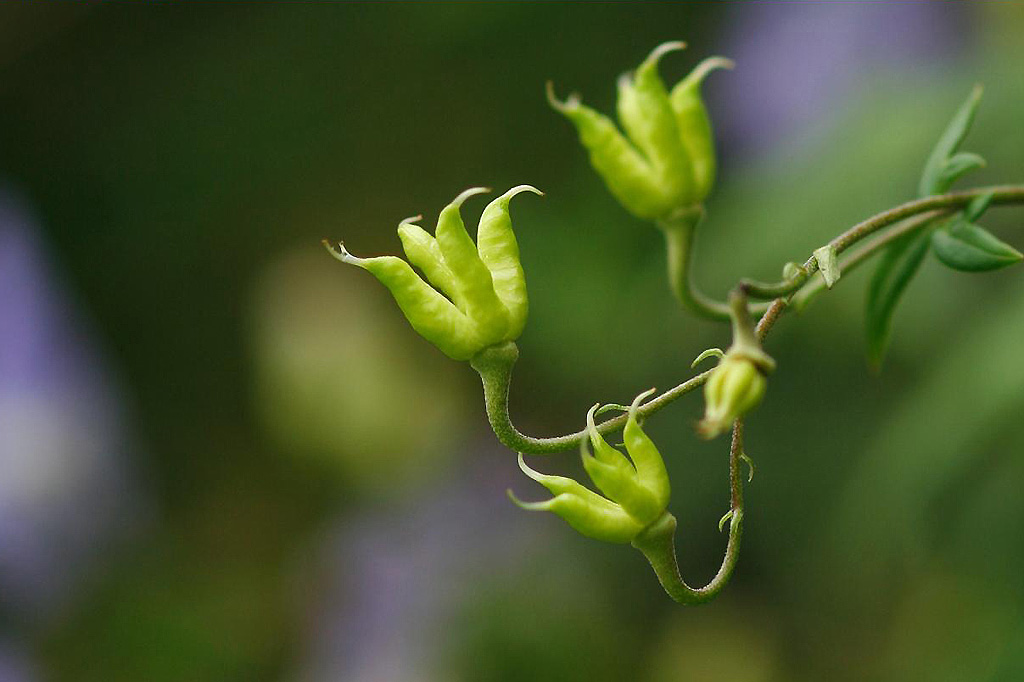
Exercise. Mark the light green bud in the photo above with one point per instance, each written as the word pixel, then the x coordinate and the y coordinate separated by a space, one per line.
pixel 478 298
pixel 665 162
pixel 734 388
pixel 636 488
pixel 738 382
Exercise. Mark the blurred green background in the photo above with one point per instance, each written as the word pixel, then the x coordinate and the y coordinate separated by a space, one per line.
pixel 225 456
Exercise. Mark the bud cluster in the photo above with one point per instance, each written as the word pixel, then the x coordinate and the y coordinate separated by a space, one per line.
pixel 478 298
pixel 635 488
pixel 665 162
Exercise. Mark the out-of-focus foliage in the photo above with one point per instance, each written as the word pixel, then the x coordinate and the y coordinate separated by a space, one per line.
pixel 322 378
pixel 183 162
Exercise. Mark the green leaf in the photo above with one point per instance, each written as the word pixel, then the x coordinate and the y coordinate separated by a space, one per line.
pixel 828 264
pixel 978 206
pixel 898 266
pixel 941 170
pixel 962 245
pixel 957 166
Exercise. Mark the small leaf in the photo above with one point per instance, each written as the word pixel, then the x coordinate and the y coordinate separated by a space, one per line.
pixel 828 264
pixel 725 517
pixel 978 206
pixel 898 266
pixel 971 248
pixel 957 166
pixel 793 270
pixel 935 173
pixel 750 463
pixel 709 353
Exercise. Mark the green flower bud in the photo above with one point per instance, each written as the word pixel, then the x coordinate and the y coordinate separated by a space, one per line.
pixel 738 383
pixel 636 488
pixel 478 298
pixel 665 162
pixel 734 388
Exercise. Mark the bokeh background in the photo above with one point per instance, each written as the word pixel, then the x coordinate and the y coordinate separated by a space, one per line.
pixel 225 456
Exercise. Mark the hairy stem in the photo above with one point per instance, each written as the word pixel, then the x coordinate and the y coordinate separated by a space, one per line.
pixel 1001 194
pixel 657 541
pixel 803 297
pixel 495 365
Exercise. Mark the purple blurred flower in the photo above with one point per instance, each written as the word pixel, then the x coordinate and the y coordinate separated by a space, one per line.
pixel 796 61
pixel 65 489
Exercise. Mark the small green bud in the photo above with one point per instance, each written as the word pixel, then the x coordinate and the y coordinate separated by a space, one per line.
pixel 737 384
pixel 734 388
pixel 665 162
pixel 636 488
pixel 478 298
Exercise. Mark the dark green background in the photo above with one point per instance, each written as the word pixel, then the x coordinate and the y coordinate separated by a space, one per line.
pixel 186 159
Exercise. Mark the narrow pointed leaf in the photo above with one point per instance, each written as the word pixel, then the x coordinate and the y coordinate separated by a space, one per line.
pixel 933 177
pixel 956 167
pixel 897 268
pixel 971 248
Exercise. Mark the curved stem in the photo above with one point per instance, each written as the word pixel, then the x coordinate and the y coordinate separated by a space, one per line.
pixel 804 296
pixel 495 364
pixel 775 289
pixel 657 541
pixel 679 237
pixel 937 204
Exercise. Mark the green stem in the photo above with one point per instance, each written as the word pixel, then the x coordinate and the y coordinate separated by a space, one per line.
pixel 802 298
pixel 495 365
pixel 1001 194
pixel 679 240
pixel 775 289
pixel 657 541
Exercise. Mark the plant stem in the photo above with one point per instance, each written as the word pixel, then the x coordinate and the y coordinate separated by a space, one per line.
pixel 679 239
pixel 495 365
pixel 657 541
pixel 804 296
pixel 1001 194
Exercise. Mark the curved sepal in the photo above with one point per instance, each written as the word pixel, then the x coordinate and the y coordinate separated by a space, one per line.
pixel 432 315
pixel 694 123
pixel 499 252
pixel 626 173
pixel 650 467
pixel 586 511
pixel 472 278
